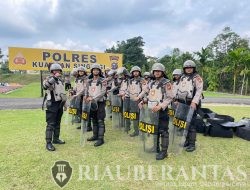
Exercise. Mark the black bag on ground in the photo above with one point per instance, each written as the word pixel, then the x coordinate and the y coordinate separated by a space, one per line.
pixel 199 125
pixel 215 129
pixel 206 113
pixel 244 132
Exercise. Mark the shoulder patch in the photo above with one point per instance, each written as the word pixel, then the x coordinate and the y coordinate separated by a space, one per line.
pixel 199 79
pixel 169 86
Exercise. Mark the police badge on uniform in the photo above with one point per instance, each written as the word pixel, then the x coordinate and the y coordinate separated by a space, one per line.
pixel 61 172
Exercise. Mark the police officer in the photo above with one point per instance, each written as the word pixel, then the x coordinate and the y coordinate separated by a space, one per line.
pixel 110 78
pixel 134 89
pixel 106 72
pixel 124 75
pixel 189 92
pixel 95 93
pixel 56 98
pixel 146 79
pixel 80 87
pixel 160 91
pixel 67 82
pixel 176 78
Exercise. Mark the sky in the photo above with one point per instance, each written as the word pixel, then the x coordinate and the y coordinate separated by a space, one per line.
pixel 92 25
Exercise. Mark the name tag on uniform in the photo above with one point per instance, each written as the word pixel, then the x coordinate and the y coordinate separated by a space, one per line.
pixel 72 111
pixel 116 109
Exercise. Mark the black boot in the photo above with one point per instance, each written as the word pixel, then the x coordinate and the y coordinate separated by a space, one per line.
pixel 126 125
pixel 134 134
pixel 50 147
pixel 89 128
pixel 101 131
pixel 186 144
pixel 78 127
pixel 58 141
pixel 95 132
pixel 164 146
pixel 99 142
pixel 155 147
pixel 190 148
pixel 192 139
pixel 93 138
pixel 161 155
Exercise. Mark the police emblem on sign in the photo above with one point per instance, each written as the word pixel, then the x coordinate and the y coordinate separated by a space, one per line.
pixel 114 62
pixel 61 172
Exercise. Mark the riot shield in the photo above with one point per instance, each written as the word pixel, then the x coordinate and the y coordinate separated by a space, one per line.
pixel 85 116
pixel 116 112
pixel 73 110
pixel 171 113
pixel 134 113
pixel 108 106
pixel 126 118
pixel 178 128
pixel 148 132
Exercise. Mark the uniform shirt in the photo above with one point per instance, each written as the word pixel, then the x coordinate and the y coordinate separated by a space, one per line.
pixel 192 85
pixel 167 96
pixel 124 87
pixel 134 88
pixel 80 85
pixel 96 88
pixel 175 87
pixel 54 87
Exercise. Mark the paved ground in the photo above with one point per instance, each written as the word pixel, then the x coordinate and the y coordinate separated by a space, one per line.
pixel 36 103
pixel 20 103
pixel 243 101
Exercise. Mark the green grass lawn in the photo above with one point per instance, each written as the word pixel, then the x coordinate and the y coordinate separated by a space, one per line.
pixel 20 78
pixel 31 90
pixel 222 95
pixel 25 164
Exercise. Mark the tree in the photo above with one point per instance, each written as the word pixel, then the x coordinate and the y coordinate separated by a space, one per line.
pixel 175 60
pixel 225 42
pixel 132 51
pixel 203 56
pixel 219 50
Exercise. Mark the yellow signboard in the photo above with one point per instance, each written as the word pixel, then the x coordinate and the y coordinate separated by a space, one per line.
pixel 39 59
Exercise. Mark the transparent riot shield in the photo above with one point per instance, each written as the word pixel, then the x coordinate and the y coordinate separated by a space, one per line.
pixel 171 113
pixel 134 113
pixel 126 118
pixel 72 110
pixel 116 112
pixel 178 128
pixel 108 106
pixel 148 132
pixel 85 116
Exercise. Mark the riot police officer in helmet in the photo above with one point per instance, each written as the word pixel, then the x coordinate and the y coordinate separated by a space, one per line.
pixel 55 101
pixel 189 91
pixel 160 92
pixel 95 93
